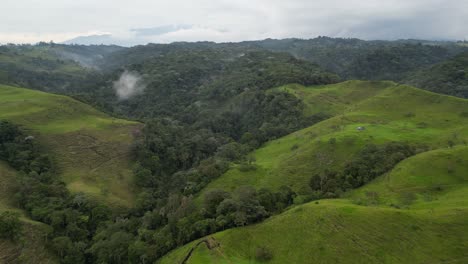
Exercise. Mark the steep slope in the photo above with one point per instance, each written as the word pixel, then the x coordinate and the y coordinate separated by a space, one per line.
pixel 395 113
pixel 90 148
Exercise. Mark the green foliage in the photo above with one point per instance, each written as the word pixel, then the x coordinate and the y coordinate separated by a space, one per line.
pixel 10 225
pixel 369 60
pixel 46 67
pixel 207 84
pixel 373 161
pixel 448 77
pixel 263 254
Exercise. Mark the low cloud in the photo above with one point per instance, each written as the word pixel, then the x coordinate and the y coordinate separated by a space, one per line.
pixel 160 30
pixel 128 85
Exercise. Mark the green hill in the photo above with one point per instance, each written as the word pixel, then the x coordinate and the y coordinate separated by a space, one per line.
pixel 341 232
pixel 90 148
pixel 391 113
pixel 414 213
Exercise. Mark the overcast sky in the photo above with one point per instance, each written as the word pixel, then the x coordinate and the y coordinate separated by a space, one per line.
pixel 142 21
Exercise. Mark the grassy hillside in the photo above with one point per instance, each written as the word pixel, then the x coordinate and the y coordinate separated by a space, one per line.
pixel 333 99
pixel 390 113
pixel 435 180
pixel 31 247
pixel 341 232
pixel 414 213
pixel 89 147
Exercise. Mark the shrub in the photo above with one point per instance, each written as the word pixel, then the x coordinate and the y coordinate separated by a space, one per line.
pixel 247 167
pixel 263 254
pixel 10 225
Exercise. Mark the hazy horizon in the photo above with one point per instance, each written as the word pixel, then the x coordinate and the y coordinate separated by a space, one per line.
pixel 142 21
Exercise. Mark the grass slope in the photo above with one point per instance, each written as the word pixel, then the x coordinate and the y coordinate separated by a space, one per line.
pixel 90 148
pixel 341 232
pixel 333 99
pixel 392 113
pixel 416 213
pixel 433 180
pixel 431 227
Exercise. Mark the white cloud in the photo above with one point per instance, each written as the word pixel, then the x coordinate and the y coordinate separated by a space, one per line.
pixel 128 85
pixel 226 20
pixel 34 37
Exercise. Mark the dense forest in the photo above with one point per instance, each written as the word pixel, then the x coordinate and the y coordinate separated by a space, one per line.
pixel 79 69
pixel 448 77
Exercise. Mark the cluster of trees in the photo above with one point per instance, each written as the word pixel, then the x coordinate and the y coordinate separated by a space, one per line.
pixel 41 67
pixel 258 116
pixel 367 60
pixel 10 225
pixel 369 163
pixel 178 220
pixel 448 77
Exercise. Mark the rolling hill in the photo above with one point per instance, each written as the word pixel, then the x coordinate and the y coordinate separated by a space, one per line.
pixel 90 148
pixel 391 113
pixel 414 213
pixel 206 106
